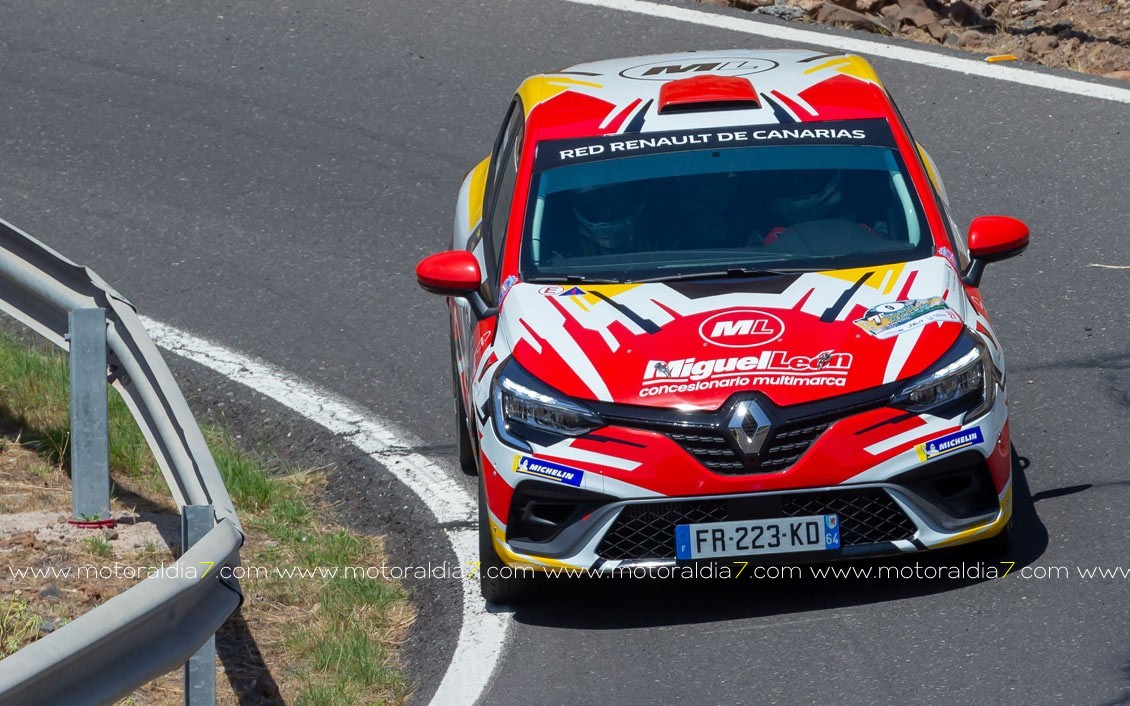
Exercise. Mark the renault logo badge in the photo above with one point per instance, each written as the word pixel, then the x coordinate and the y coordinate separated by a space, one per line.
pixel 749 427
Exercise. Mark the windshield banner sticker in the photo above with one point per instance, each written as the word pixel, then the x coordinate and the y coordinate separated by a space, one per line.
pixel 894 318
pixel 555 153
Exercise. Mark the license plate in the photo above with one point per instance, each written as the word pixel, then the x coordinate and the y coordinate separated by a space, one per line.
pixel 710 540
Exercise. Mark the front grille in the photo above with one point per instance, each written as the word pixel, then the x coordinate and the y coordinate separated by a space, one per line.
pixel 785 445
pixel 703 434
pixel 647 530
pixel 866 516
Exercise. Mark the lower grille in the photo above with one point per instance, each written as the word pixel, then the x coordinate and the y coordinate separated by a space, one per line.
pixel 866 516
pixel 647 530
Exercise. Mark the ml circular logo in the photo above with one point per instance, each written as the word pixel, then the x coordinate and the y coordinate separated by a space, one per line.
pixel 685 67
pixel 741 328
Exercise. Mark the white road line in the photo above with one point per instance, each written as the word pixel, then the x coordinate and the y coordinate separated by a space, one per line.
pixel 482 634
pixel 868 46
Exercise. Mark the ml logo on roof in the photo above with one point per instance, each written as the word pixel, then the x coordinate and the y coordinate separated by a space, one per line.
pixel 725 65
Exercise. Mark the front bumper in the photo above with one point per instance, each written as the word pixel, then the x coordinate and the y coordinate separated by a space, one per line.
pixel 878 519
pixel 893 492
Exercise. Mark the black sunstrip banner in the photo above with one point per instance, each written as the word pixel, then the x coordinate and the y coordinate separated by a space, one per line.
pixel 556 153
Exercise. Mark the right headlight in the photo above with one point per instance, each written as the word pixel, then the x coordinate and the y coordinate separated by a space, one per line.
pixel 525 410
pixel 964 381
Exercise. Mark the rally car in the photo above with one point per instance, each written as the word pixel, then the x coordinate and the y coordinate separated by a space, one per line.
pixel 712 306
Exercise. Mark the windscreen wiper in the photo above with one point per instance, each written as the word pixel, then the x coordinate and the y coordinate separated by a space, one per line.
pixel 573 279
pixel 728 273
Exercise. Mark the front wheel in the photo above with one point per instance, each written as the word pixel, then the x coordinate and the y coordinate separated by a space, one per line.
pixel 468 454
pixel 498 582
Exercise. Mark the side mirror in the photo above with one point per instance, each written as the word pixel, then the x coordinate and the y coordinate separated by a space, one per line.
pixel 454 273
pixel 991 239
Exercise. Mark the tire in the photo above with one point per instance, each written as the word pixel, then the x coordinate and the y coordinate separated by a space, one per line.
pixel 496 583
pixel 468 454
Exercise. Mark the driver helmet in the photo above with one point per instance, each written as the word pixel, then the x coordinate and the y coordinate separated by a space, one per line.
pixel 607 214
pixel 809 195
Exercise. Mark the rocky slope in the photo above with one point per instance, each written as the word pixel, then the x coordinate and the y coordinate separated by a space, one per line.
pixel 1081 35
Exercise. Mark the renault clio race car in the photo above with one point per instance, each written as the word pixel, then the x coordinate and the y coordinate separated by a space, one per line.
pixel 712 306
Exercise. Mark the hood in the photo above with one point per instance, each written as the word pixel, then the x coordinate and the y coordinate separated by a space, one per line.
pixel 691 345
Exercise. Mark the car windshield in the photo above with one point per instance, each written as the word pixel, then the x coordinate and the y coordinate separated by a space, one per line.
pixel 739 201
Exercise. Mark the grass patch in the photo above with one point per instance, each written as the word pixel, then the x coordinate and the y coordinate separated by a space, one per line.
pixel 327 638
pixel 98 546
pixel 17 625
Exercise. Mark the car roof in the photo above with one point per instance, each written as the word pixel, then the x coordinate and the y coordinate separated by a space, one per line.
pixel 627 94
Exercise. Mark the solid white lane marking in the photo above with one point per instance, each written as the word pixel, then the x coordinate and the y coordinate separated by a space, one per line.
pixel 482 634
pixel 857 45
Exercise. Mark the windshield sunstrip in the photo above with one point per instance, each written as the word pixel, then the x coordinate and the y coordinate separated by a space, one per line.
pixel 556 153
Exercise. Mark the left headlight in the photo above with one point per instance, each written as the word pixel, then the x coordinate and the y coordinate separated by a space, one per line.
pixel 965 381
pixel 525 410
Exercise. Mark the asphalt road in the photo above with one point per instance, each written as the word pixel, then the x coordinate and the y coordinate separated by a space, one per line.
pixel 267 175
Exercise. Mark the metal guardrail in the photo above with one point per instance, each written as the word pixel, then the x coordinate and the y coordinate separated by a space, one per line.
pixel 155 626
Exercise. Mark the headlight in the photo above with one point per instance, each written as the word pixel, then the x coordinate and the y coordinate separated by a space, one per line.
pixel 965 381
pixel 527 410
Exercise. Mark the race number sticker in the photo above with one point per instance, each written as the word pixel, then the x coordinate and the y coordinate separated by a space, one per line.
pixel 894 318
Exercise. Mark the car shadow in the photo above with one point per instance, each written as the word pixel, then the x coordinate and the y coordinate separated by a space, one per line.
pixel 651 602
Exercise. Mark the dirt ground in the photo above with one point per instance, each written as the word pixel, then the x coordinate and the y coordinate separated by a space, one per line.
pixel 89 567
pixel 34 535
pixel 1091 36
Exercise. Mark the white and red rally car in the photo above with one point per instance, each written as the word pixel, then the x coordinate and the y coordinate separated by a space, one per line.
pixel 712 305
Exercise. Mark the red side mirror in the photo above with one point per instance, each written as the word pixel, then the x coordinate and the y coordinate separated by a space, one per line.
pixel 454 273
pixel 993 238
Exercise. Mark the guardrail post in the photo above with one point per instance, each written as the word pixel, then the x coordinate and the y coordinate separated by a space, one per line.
pixel 90 456
pixel 200 669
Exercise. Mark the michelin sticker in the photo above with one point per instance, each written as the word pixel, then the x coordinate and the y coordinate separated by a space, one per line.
pixel 894 318
pixel 548 470
pixel 950 442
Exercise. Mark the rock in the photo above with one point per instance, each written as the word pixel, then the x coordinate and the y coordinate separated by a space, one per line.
pixel 1029 7
pixel 915 13
pixel 936 30
pixel 962 13
pixel 809 6
pixel 1054 5
pixel 843 17
pixel 50 591
pixel 781 12
pixel 109 533
pixel 1042 44
pixel 1123 75
pixel 46 625
pixel 890 13
pixel 972 39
